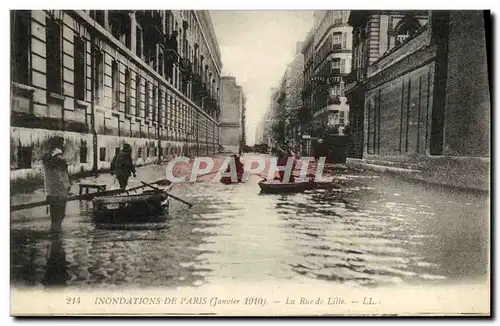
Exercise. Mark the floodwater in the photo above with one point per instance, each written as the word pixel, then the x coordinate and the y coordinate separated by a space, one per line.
pixel 374 230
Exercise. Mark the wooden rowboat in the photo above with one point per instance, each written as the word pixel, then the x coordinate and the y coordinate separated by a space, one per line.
pixel 275 186
pixel 146 207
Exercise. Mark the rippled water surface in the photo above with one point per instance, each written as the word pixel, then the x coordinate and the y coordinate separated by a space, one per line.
pixel 374 230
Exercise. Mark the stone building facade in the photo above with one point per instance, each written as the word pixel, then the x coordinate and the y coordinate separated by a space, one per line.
pixel 307 85
pixel 419 95
pixel 327 54
pixel 102 78
pixel 289 101
pixel 232 117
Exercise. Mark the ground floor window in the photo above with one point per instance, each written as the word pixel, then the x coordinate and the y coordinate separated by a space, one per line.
pixel 24 157
pixel 83 154
pixel 102 154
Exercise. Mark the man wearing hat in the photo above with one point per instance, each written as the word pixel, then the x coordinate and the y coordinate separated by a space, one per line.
pixel 122 166
pixel 57 181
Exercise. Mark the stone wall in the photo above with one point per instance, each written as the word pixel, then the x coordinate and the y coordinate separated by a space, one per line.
pixel 467 111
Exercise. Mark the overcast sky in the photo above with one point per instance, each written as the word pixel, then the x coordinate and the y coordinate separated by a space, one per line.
pixel 256 47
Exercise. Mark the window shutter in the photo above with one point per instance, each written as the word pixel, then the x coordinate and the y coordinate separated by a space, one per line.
pixel 342 65
pixel 344 40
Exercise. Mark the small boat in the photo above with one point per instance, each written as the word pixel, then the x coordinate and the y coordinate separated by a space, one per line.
pixel 276 186
pixel 146 207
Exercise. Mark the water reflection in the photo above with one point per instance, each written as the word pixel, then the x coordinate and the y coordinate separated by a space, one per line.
pixel 56 267
pixel 373 231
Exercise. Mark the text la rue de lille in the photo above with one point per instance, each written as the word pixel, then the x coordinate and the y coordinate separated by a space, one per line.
pixel 217 301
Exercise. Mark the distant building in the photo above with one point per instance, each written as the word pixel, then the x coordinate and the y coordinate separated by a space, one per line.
pixel 232 131
pixel 273 118
pixel 100 78
pixel 307 86
pixel 331 64
pixel 289 100
pixel 327 54
pixel 259 131
pixel 419 95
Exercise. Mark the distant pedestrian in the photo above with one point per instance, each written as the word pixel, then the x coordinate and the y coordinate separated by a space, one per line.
pixel 122 166
pixel 57 182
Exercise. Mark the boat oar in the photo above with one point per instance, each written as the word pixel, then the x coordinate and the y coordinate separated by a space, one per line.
pixel 174 197
pixel 113 192
pixel 204 175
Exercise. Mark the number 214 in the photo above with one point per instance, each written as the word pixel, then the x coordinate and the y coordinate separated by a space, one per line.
pixel 72 300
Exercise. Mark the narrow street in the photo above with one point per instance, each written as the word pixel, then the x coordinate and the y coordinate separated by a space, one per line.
pixel 375 230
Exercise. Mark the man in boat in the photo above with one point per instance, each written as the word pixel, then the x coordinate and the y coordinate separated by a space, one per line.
pixel 239 165
pixel 283 156
pixel 239 170
pixel 56 181
pixel 122 166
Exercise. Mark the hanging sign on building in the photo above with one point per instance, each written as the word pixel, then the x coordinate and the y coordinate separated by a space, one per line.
pixel 335 80
pixel 320 79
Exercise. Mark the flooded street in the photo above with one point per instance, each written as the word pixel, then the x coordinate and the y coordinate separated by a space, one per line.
pixel 374 230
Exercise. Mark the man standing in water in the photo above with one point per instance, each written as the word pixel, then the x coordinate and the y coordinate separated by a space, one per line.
pixel 57 182
pixel 122 166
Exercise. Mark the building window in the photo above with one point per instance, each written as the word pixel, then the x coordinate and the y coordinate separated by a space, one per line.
pixel 54 64
pixel 168 111
pixel 336 41
pixel 168 21
pixel 342 117
pixel 83 153
pixel 79 50
pixel 102 154
pixel 161 107
pixel 161 62
pixel 147 151
pixel 24 157
pixel 150 52
pixel 98 16
pixel 336 66
pixel 137 95
pixel 115 85
pixel 128 91
pixel 139 152
pixel 154 117
pixel 138 39
pixel 119 23
pixel 148 101
pixel 337 17
pixel 99 73
pixel 20 45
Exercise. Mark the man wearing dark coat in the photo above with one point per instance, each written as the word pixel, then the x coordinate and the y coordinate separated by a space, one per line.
pixel 56 181
pixel 122 166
